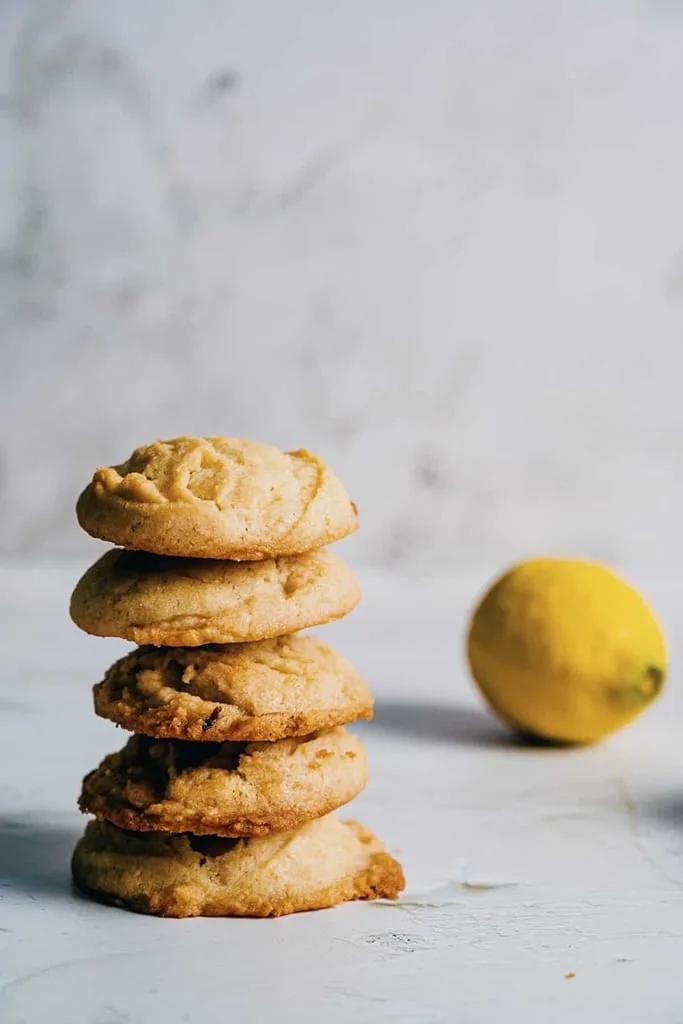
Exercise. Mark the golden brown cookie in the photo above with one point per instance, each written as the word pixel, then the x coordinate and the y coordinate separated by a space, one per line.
pixel 321 864
pixel 226 789
pixel 287 686
pixel 217 497
pixel 179 602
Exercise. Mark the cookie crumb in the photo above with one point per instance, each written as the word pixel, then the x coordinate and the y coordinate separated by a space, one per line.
pixel 569 975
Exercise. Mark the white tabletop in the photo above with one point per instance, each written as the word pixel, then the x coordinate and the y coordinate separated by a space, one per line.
pixel 543 885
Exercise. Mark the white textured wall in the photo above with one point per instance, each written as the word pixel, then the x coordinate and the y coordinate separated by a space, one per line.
pixel 439 242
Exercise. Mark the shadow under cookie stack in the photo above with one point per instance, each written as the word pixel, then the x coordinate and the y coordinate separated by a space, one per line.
pixel 221 803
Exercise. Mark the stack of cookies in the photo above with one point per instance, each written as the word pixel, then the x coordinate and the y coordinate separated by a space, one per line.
pixel 222 801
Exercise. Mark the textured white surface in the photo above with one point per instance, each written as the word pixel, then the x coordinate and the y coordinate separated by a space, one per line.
pixel 523 864
pixel 438 241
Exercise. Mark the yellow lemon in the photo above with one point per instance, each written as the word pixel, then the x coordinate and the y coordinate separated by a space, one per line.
pixel 566 650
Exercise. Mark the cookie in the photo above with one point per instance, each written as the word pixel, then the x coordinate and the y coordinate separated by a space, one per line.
pixel 320 865
pixel 179 602
pixel 217 497
pixel 288 686
pixel 226 789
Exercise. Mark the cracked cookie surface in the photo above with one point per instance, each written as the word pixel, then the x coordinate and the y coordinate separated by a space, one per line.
pixel 226 789
pixel 267 690
pixel 178 602
pixel 217 497
pixel 323 863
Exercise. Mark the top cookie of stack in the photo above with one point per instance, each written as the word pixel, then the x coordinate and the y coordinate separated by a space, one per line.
pixel 217 497
pixel 242 522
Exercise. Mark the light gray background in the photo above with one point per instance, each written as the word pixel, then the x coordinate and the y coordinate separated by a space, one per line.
pixel 439 242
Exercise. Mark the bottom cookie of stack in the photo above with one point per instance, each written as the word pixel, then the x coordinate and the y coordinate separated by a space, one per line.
pixel 321 864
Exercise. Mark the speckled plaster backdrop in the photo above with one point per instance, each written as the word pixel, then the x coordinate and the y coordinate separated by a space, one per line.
pixel 439 242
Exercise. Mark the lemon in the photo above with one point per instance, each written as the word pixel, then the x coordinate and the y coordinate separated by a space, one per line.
pixel 566 650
